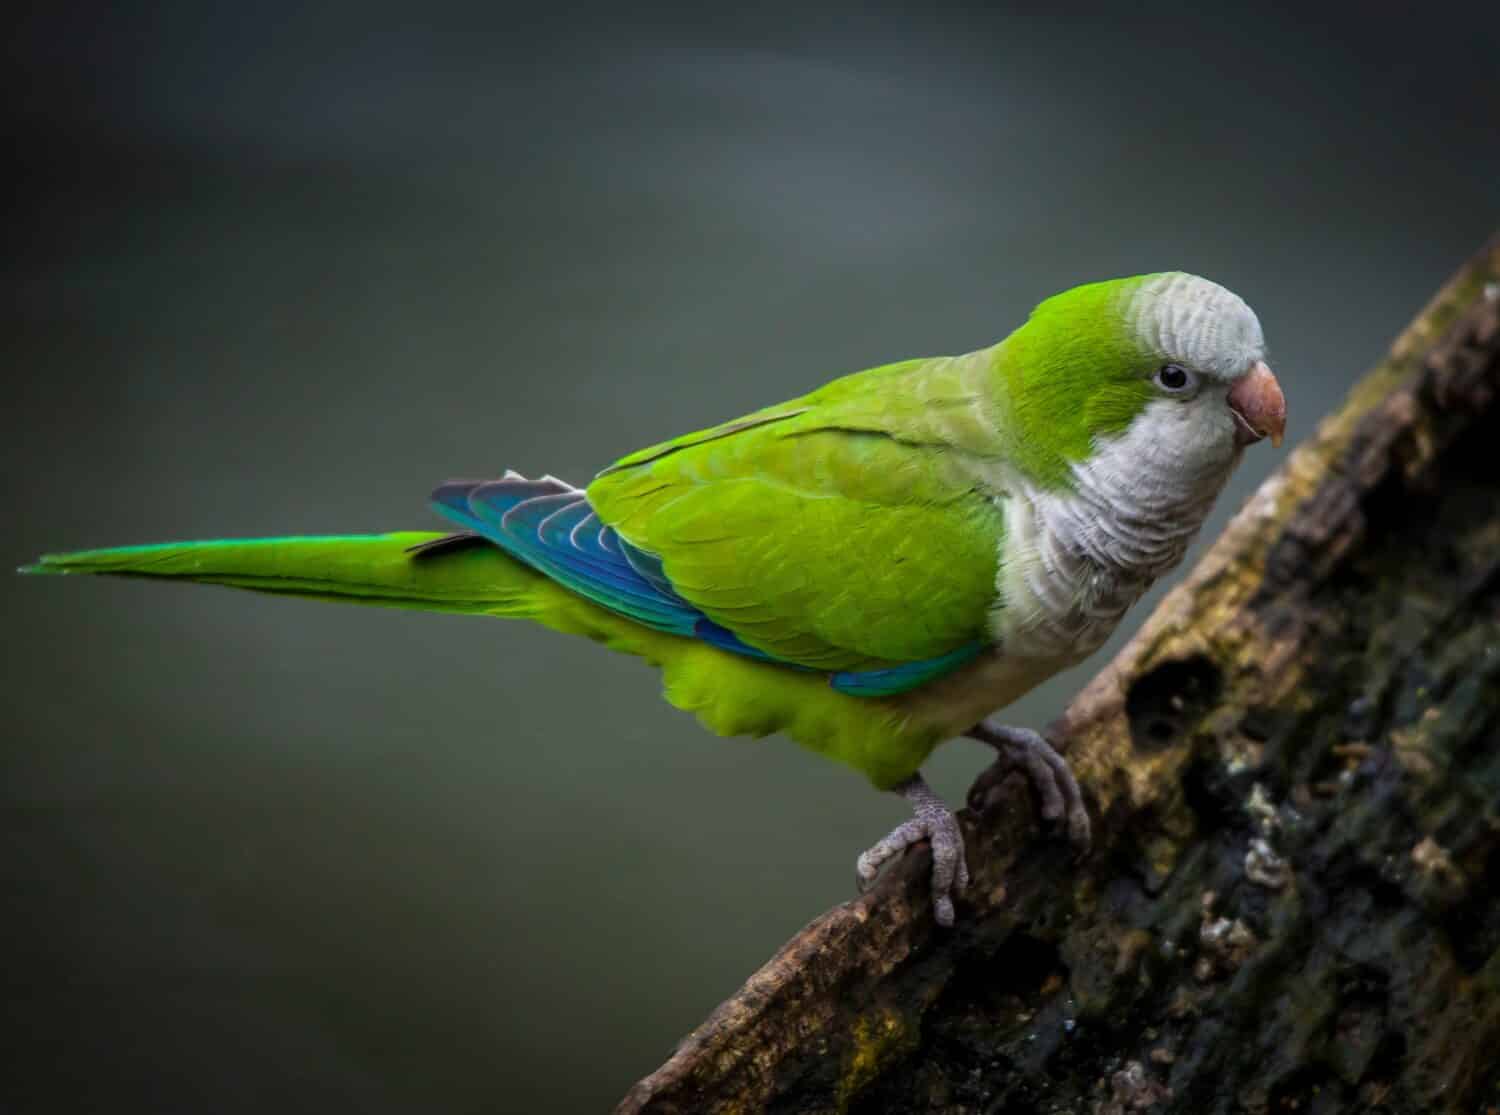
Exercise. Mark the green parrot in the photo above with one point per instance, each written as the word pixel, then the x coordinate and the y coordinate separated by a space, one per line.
pixel 870 569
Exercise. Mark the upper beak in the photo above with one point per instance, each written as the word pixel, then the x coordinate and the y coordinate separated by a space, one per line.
pixel 1258 406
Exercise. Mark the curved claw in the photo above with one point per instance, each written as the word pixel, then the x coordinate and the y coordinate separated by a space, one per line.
pixel 935 823
pixel 1028 752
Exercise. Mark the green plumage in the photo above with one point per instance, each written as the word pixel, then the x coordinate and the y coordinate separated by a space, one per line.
pixel 363 569
pixel 860 527
pixel 769 525
pixel 871 568
pixel 1073 373
pixel 729 694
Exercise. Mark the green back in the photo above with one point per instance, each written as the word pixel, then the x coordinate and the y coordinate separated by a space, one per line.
pixel 837 531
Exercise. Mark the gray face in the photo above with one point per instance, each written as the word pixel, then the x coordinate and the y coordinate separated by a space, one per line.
pixel 1191 321
pixel 1216 394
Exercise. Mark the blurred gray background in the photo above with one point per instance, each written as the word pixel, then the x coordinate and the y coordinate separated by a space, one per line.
pixel 278 269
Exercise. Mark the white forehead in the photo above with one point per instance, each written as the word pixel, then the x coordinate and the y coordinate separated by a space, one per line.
pixel 1189 320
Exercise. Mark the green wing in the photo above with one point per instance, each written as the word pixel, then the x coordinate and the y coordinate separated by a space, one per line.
pixel 839 531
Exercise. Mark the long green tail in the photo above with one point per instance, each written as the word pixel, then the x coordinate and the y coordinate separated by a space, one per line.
pixel 731 694
pixel 378 569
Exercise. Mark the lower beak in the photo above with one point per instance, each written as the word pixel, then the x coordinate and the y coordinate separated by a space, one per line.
pixel 1258 406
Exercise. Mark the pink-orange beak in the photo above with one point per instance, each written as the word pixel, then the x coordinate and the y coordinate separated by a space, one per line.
pixel 1258 406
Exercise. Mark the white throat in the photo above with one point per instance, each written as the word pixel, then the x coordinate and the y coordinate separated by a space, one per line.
pixel 1077 560
pixel 1140 498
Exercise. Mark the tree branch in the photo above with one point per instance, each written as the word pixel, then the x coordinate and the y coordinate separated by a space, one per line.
pixel 1294 898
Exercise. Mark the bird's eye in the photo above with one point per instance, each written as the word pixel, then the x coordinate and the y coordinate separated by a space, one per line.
pixel 1175 378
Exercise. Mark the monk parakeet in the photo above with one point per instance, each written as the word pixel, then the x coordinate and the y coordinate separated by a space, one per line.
pixel 872 568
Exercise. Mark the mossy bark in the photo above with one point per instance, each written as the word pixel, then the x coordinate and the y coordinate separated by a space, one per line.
pixel 1293 902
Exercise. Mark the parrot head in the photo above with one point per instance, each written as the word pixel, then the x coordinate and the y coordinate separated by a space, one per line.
pixel 1170 364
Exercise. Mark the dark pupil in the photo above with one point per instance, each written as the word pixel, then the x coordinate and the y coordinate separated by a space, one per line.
pixel 1173 377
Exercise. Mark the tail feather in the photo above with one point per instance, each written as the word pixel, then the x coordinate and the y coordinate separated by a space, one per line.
pixel 407 569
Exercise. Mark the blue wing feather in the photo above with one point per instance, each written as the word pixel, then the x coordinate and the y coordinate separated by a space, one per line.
pixel 898 679
pixel 515 513
pixel 551 527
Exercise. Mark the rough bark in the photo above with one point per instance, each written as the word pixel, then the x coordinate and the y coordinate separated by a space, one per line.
pixel 1293 903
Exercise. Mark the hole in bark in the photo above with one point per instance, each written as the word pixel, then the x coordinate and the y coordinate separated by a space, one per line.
pixel 1474 924
pixel 1165 703
pixel 1030 964
pixel 1024 974
pixel 1389 1057
pixel 1215 796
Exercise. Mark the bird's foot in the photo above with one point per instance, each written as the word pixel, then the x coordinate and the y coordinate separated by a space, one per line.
pixel 933 822
pixel 1026 751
